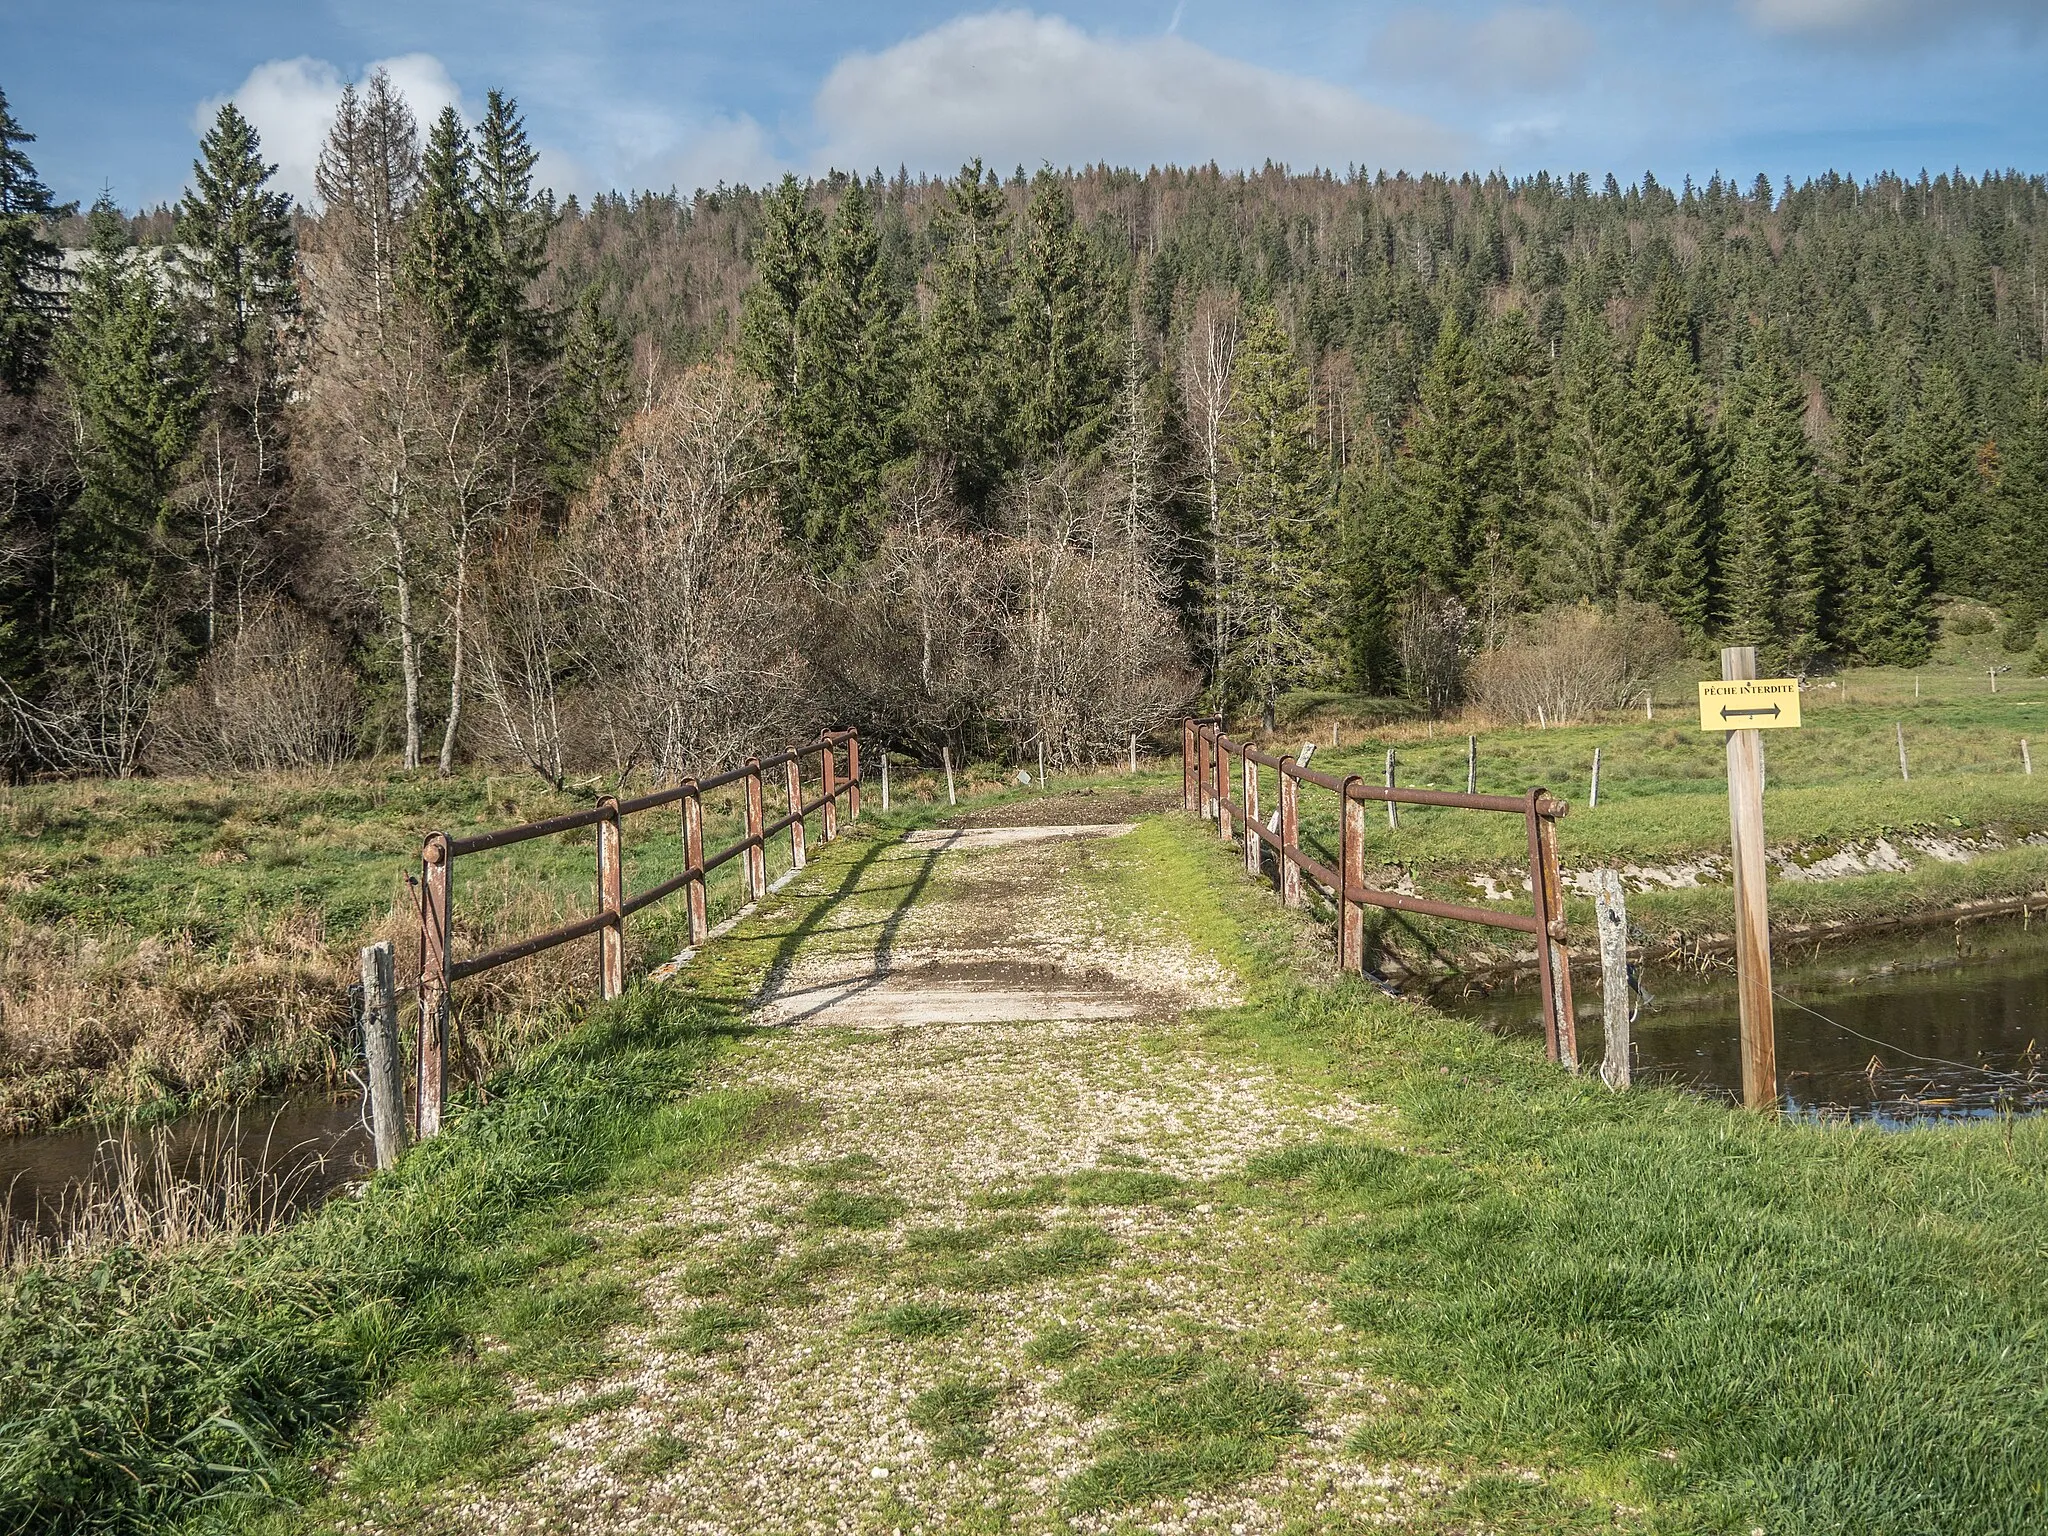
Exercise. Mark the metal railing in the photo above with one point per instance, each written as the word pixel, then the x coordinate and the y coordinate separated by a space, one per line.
pixel 439 970
pixel 1205 776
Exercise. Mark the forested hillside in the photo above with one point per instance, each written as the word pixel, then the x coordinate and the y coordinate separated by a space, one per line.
pixel 451 469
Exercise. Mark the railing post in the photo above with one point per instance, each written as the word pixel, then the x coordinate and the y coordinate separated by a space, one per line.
pixel 1560 955
pixel 1351 877
pixel 1187 763
pixel 381 1053
pixel 1204 751
pixel 793 784
pixel 1254 849
pixel 1553 962
pixel 693 861
pixel 830 791
pixel 756 856
pixel 611 898
pixel 1290 839
pixel 431 1058
pixel 1222 785
pixel 853 775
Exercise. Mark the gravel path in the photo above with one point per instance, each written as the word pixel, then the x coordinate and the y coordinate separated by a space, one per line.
pixel 1008 1175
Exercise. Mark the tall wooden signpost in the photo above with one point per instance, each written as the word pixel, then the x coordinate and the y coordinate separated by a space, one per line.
pixel 1742 704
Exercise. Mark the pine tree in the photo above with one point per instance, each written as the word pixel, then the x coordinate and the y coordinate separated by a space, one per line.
pixel 235 252
pixel 847 419
pixel 591 397
pixel 130 389
pixel 1065 375
pixel 1671 469
pixel 1278 526
pixel 962 407
pixel 443 263
pixel 30 265
pixel 1457 469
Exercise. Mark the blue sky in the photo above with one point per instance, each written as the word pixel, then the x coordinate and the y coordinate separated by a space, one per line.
pixel 639 93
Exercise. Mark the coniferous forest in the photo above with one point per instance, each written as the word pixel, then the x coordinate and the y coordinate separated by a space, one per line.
pixel 449 468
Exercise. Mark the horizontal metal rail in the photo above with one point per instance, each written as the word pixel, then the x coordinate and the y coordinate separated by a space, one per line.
pixel 440 970
pixel 1207 790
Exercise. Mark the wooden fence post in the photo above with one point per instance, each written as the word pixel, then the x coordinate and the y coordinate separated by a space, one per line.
pixel 756 857
pixel 1041 764
pixel 1254 850
pixel 1752 913
pixel 1205 756
pixel 885 781
pixel 793 784
pixel 611 897
pixel 828 769
pixel 853 775
pixel 1471 765
pixel 1593 798
pixel 1134 753
pixel 1290 839
pixel 381 1052
pixel 1610 901
pixel 1900 731
pixel 1222 786
pixel 1187 764
pixel 946 757
pixel 1393 810
pixel 693 861
pixel 2026 757
pixel 430 1059
pixel 1350 877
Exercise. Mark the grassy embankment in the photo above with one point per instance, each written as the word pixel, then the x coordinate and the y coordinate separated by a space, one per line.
pixel 1832 784
pixel 172 943
pixel 1585 1311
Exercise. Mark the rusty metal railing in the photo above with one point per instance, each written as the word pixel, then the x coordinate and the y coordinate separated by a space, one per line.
pixel 439 970
pixel 1205 777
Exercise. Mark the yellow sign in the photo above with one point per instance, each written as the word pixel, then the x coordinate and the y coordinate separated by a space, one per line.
pixel 1765 704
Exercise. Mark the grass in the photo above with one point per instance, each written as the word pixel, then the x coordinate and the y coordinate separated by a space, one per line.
pixel 1720 1319
pixel 955 1413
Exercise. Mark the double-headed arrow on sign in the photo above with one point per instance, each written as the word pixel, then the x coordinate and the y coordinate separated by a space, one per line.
pixel 1731 714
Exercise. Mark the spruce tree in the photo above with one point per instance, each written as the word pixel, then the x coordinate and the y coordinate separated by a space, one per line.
pixel 1885 613
pixel 443 266
pixel 1939 455
pixel 1065 374
pixel 847 419
pixel 235 252
pixel 1590 551
pixel 785 266
pixel 591 398
pixel 1773 560
pixel 30 265
pixel 962 405
pixel 1671 465
pixel 1278 526
pixel 1457 470
pixel 2022 535
pixel 511 231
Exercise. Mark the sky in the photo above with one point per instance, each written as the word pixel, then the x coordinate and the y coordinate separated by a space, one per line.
pixel 633 94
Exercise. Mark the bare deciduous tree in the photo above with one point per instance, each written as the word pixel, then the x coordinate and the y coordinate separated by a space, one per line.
pixel 276 693
pixel 522 638
pixel 1208 360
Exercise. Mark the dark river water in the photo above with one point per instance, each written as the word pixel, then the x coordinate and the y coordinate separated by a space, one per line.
pixel 1896 1030
pixel 300 1149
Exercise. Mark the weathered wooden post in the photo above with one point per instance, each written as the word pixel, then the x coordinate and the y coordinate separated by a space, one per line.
pixel 381 1053
pixel 755 859
pixel 853 775
pixel 1471 765
pixel 1254 850
pixel 611 897
pixel 1222 785
pixel 1134 754
pixel 1393 810
pixel 828 768
pixel 1752 911
pixel 1610 904
pixel 2026 757
pixel 1557 966
pixel 793 786
pixel 1041 764
pixel 1290 839
pixel 946 757
pixel 1205 773
pixel 1351 877
pixel 1900 730
pixel 1649 704
pixel 1187 764
pixel 1593 797
pixel 430 1059
pixel 693 861
pixel 885 782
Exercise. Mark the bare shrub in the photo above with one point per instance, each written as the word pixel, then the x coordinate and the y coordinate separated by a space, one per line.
pixel 522 619
pixel 692 606
pixel 98 718
pixel 277 693
pixel 1571 663
pixel 1436 634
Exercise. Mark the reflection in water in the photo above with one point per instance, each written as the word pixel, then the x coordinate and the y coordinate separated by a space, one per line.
pixel 1895 1030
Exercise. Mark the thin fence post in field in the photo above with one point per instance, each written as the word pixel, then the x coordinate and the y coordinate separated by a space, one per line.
pixel 693 861
pixel 381 1052
pixel 1471 765
pixel 1593 796
pixel 946 757
pixel 1254 850
pixel 885 783
pixel 1540 720
pixel 828 813
pixel 756 857
pixel 1393 810
pixel 1205 751
pixel 1187 763
pixel 611 881
pixel 1904 772
pixel 1558 980
pixel 793 785
pixel 1290 839
pixel 2026 757
pixel 1610 904
pixel 1041 763
pixel 1134 753
pixel 1351 877
pixel 1333 734
pixel 853 775
pixel 1994 679
pixel 1222 786
pixel 1649 704
pixel 430 1059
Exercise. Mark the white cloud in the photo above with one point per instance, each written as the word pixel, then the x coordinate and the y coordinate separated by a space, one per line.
pixel 1879 20
pixel 1017 88
pixel 292 101
pixel 1516 48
